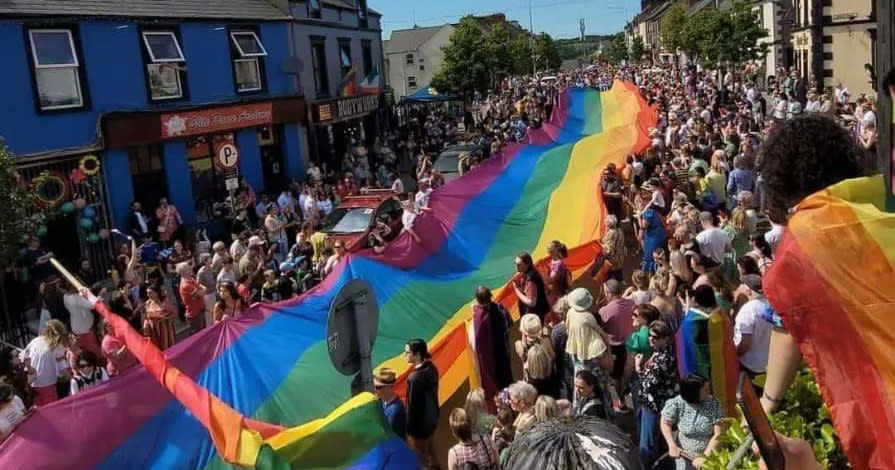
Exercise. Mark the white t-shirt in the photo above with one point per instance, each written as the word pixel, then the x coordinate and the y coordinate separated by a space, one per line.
pixel 11 414
pixel 774 236
pixel 750 322
pixel 712 243
pixel 98 377
pixel 407 219
pixel 81 316
pixel 422 198
pixel 46 361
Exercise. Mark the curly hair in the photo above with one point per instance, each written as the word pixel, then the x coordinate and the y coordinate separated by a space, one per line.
pixel 803 156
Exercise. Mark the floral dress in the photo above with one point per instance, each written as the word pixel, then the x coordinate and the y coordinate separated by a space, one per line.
pixel 695 424
pixel 658 379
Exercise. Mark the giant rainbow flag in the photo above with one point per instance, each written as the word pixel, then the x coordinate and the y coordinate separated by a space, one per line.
pixel 263 384
pixel 832 283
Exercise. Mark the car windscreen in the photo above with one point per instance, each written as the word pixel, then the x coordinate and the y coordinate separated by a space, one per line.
pixel 447 163
pixel 348 220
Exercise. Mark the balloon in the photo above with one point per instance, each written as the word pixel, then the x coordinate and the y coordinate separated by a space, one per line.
pixel 67 207
pixel 80 203
pixel 89 212
pixel 86 223
pixel 92 238
pixel 104 234
pixel 41 230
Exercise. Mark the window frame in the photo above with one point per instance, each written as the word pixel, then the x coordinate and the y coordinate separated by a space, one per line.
pixel 315 13
pixel 366 51
pixel 320 41
pixel 412 78
pixel 237 55
pixel 261 84
pixel 363 14
pixel 408 59
pixel 77 68
pixel 151 54
pixel 344 70
pixel 179 81
pixel 254 36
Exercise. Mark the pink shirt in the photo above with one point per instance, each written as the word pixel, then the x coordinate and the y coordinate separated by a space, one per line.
pixel 616 317
pixel 110 346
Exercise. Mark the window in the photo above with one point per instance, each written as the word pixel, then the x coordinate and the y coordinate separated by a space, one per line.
pixel 411 82
pixel 318 61
pixel 409 59
pixel 247 56
pixel 345 56
pixel 56 69
pixel 362 13
pixel 421 60
pixel 422 67
pixel 367 51
pixel 165 69
pixel 314 9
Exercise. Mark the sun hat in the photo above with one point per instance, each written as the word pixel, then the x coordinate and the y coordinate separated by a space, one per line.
pixel 580 300
pixel 530 324
pixel 384 377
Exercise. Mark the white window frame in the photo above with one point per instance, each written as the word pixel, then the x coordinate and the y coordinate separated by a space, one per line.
pixel 71 43
pixel 318 10
pixel 162 33
pixel 257 71
pixel 413 80
pixel 408 59
pixel 234 34
pixel 76 66
pixel 176 74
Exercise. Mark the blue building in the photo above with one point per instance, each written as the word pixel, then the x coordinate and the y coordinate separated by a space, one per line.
pixel 114 101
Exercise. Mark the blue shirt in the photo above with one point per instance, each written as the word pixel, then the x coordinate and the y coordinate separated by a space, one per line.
pixel 396 417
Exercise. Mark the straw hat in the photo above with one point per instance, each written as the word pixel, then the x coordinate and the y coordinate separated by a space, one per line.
pixel 530 324
pixel 580 300
pixel 384 377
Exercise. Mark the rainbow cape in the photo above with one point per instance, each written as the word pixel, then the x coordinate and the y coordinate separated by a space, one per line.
pixel 833 285
pixel 262 387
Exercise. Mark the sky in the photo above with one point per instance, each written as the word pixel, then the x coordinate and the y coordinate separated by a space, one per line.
pixel 559 18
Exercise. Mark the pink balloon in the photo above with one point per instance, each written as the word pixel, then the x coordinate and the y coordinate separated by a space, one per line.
pixel 80 203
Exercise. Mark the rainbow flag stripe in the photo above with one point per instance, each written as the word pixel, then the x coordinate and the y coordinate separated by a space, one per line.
pixel 832 284
pixel 271 366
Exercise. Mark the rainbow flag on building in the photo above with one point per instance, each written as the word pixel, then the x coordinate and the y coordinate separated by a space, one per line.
pixel 832 283
pixel 260 390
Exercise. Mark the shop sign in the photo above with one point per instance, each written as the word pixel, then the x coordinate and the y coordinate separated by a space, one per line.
pixel 346 108
pixel 209 121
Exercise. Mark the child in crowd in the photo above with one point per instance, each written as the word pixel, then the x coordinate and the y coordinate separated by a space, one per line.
pixel 87 373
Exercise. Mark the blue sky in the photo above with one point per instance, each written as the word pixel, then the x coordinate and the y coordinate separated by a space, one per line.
pixel 560 18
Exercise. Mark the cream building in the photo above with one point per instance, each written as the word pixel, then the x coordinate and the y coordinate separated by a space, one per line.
pixel 414 56
pixel 834 41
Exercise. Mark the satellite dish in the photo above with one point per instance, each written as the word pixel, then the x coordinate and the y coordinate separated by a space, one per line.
pixel 351 330
pixel 292 65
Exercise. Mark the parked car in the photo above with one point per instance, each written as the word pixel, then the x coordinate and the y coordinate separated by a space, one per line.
pixel 448 159
pixel 353 221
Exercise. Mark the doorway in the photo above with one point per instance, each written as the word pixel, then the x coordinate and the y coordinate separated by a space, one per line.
pixel 271 159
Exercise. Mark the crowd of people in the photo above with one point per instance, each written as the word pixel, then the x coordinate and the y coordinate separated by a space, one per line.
pixel 702 208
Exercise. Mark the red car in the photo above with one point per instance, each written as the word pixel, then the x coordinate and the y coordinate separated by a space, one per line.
pixel 356 217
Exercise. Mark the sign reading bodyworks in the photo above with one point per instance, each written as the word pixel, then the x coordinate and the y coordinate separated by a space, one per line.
pixel 345 108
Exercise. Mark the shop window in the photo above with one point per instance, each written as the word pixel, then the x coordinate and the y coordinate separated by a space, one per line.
pixel 411 82
pixel 408 59
pixel 367 51
pixel 248 52
pixel 345 56
pixel 165 65
pixel 314 9
pixel 208 182
pixel 362 18
pixel 56 69
pixel 318 62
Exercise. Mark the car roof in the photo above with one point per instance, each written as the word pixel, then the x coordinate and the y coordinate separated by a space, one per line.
pixel 366 200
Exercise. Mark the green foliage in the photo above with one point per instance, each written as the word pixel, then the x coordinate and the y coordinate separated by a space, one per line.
pixel 803 415
pixel 617 50
pixel 466 65
pixel 520 51
pixel 20 214
pixel 671 28
pixel 720 37
pixel 637 49
pixel 497 44
pixel 547 52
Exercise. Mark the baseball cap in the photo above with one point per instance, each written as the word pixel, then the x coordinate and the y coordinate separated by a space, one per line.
pixel 255 240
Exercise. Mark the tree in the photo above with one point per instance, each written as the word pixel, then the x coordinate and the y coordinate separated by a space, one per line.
pixel 465 67
pixel 520 51
pixel 547 52
pixel 637 48
pixel 722 37
pixel 618 50
pixel 744 32
pixel 20 214
pixel 497 43
pixel 672 27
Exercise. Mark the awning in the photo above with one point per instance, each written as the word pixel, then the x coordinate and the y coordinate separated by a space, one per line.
pixel 427 94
